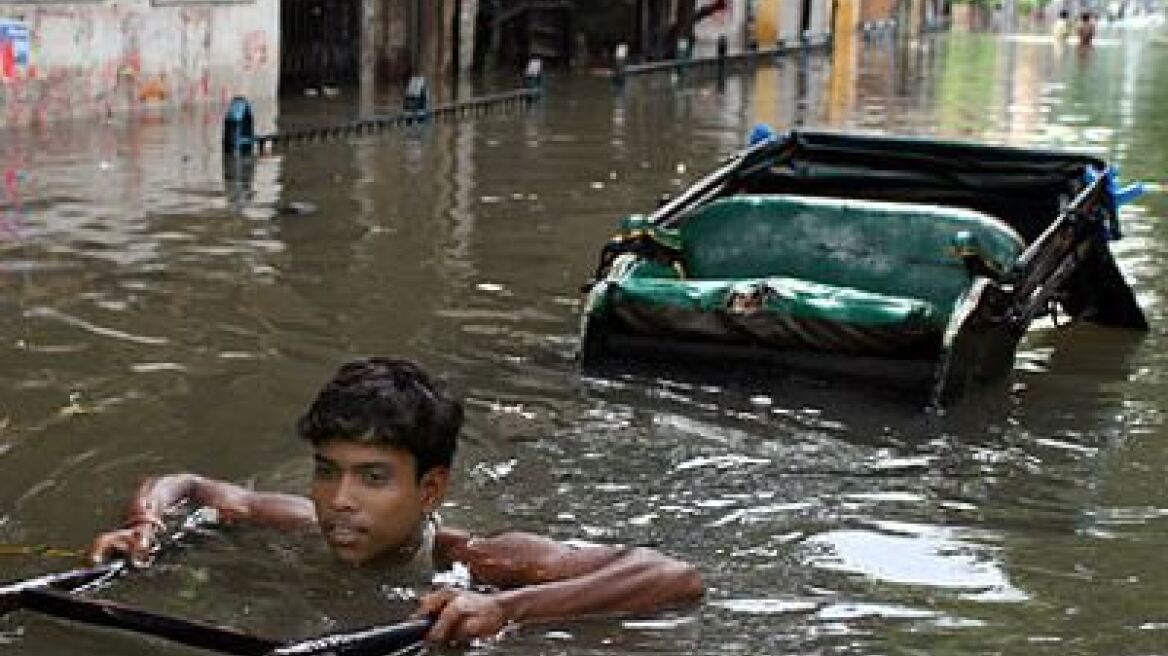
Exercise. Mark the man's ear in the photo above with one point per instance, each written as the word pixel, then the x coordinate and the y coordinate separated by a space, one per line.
pixel 433 485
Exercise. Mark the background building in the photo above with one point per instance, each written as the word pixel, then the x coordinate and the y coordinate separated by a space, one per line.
pixel 112 57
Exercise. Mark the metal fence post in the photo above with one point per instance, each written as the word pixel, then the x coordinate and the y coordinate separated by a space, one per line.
pixel 416 102
pixel 239 128
pixel 620 62
pixel 723 50
pixel 533 75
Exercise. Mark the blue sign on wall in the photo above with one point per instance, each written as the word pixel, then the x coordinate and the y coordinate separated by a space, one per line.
pixel 14 35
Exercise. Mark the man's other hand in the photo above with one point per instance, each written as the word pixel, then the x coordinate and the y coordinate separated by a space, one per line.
pixel 460 616
pixel 138 543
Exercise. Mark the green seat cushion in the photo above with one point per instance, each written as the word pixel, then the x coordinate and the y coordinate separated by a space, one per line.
pixel 894 250
pixel 776 312
pixel 776 295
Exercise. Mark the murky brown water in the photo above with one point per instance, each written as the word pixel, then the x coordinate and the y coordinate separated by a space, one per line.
pixel 149 321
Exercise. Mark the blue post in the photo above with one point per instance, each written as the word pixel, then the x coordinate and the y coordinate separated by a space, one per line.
pixel 238 180
pixel 239 128
pixel 533 76
pixel 416 103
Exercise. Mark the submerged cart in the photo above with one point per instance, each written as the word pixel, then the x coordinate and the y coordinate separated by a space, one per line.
pixel 901 258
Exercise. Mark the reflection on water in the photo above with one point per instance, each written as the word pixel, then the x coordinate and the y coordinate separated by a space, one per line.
pixel 161 308
pixel 914 555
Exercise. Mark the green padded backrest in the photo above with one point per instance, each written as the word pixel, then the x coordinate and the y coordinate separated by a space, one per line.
pixel 900 249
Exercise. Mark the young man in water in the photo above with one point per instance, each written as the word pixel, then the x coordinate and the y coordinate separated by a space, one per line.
pixel 383 438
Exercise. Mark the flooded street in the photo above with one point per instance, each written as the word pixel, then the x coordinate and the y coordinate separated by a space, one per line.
pixel 163 310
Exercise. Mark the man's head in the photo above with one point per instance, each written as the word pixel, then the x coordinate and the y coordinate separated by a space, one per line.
pixel 383 437
pixel 387 402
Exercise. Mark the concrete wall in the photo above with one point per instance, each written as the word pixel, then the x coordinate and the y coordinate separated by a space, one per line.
pixel 877 10
pixel 782 19
pixel 437 47
pixel 468 9
pixel 116 57
pixel 821 16
pixel 396 55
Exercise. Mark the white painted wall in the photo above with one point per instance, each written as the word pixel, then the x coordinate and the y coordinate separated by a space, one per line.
pixel 790 18
pixel 821 16
pixel 116 57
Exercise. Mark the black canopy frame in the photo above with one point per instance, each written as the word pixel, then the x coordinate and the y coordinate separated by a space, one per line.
pixel 59 595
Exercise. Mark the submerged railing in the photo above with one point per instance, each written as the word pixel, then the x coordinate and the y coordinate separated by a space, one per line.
pixel 239 136
pixel 807 43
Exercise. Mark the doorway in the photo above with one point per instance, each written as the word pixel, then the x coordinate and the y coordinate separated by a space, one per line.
pixel 319 45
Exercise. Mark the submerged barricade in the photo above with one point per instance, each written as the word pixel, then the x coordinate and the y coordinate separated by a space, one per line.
pixel 722 60
pixel 239 136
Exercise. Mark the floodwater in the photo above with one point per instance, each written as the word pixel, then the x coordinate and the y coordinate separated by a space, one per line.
pixel 157 315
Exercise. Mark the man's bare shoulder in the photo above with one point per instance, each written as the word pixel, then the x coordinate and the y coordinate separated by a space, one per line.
pixel 462 544
pixel 516 558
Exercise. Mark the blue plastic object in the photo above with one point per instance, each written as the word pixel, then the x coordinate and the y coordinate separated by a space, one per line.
pixel 1119 195
pixel 1122 195
pixel 760 133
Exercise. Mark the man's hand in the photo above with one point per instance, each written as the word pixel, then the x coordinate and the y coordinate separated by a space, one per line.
pixel 460 616
pixel 138 542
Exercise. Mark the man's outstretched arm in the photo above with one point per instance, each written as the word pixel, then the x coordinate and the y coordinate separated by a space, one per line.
pixel 235 503
pixel 548 580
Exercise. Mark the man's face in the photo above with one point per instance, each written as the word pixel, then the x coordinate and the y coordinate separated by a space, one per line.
pixel 369 501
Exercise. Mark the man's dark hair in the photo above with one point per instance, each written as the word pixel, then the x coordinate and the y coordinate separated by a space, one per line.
pixel 386 401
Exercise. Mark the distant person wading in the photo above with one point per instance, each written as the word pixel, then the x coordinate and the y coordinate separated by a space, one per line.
pixel 1086 29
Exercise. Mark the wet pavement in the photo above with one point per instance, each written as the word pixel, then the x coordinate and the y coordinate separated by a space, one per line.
pixel 162 310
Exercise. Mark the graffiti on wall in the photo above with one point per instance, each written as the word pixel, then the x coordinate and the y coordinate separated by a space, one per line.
pixel 255 50
pixel 103 59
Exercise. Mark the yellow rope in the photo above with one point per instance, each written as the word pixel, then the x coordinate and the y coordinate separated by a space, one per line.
pixel 39 550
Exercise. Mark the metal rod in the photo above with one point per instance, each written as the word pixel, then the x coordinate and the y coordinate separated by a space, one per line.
pixel 176 629
pixel 366 642
pixel 11 594
pixel 10 598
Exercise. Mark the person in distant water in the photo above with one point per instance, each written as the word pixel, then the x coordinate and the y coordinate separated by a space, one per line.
pixel 383 437
pixel 1061 28
pixel 1086 29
